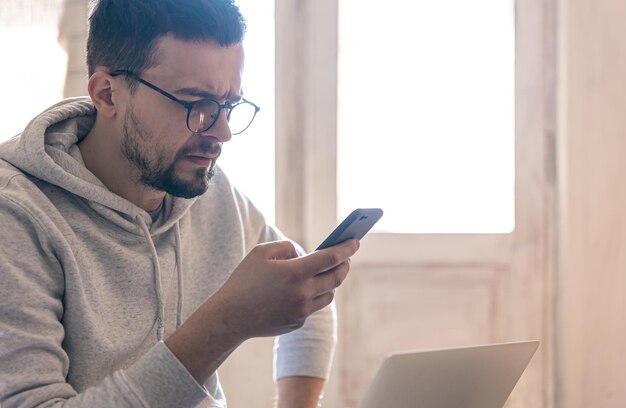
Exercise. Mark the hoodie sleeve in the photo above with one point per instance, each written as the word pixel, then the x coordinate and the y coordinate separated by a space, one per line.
pixel 33 363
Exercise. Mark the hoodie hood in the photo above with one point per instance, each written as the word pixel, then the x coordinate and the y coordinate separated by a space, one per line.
pixel 47 149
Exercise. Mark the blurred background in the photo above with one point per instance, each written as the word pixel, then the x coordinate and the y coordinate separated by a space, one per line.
pixel 491 133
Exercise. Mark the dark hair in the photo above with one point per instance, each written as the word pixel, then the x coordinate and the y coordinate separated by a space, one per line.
pixel 123 33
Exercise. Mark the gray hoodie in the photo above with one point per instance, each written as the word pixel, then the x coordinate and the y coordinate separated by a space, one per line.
pixel 90 285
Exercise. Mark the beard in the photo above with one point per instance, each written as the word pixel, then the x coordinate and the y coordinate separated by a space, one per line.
pixel 152 159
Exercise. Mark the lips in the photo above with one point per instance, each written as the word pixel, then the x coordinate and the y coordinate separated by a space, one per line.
pixel 203 154
pixel 202 160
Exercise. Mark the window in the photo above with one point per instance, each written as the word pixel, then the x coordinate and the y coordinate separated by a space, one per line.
pixel 426 114
pixel 34 64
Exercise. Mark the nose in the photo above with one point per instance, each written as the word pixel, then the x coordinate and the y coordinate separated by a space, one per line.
pixel 220 130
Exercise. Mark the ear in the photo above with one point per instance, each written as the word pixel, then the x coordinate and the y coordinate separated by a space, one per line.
pixel 101 87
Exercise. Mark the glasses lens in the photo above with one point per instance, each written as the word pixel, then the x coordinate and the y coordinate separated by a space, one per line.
pixel 203 115
pixel 240 117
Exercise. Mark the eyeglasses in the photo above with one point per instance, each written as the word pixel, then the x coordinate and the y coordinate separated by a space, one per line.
pixel 203 114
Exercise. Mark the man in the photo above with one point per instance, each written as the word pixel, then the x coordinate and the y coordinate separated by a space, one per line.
pixel 130 267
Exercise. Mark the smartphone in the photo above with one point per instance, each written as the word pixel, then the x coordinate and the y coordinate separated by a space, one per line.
pixel 356 225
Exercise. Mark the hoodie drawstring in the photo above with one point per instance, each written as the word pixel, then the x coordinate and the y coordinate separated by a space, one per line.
pixel 179 273
pixel 157 278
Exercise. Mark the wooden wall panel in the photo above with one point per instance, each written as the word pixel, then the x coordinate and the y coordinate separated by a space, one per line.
pixel 73 37
pixel 592 336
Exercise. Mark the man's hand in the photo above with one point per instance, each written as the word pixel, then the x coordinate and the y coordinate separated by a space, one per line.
pixel 271 292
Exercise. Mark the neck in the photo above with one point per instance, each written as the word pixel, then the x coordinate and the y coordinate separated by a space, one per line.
pixel 103 157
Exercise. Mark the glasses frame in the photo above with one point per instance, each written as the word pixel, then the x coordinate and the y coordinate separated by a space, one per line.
pixel 228 106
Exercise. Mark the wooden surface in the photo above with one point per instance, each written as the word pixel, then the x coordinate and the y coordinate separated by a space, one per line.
pixel 73 37
pixel 592 336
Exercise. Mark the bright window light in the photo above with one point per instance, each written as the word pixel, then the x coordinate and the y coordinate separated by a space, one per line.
pixel 33 68
pixel 248 158
pixel 426 114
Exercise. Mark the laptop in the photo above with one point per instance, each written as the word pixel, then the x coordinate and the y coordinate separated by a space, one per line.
pixel 465 377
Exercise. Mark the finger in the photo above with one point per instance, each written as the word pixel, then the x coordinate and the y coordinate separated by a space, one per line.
pixel 277 250
pixel 322 301
pixel 332 279
pixel 328 258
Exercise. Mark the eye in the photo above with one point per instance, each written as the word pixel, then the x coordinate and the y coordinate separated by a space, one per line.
pixel 203 114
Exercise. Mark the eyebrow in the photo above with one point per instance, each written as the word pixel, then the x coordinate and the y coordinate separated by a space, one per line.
pixel 204 94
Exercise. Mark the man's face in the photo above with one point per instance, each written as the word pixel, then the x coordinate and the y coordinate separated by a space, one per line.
pixel 155 137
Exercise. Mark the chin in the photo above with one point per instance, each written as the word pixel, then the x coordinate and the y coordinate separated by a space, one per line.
pixel 189 188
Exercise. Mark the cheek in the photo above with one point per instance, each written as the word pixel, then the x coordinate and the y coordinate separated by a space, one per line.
pixel 171 142
pixel 173 128
pixel 166 145
pixel 165 117
pixel 169 133
pixel 167 127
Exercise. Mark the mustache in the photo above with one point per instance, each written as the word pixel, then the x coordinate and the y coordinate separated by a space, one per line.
pixel 203 147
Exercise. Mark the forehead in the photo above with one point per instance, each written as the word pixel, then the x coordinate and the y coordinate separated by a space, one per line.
pixel 203 65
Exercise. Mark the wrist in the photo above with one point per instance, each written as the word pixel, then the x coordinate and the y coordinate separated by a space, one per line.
pixel 203 341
